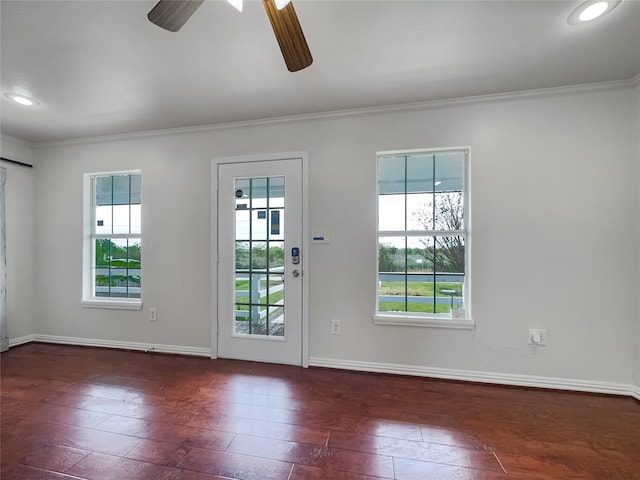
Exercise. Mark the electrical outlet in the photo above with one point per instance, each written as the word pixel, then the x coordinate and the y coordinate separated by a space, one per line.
pixel 537 336
pixel 335 327
pixel 153 314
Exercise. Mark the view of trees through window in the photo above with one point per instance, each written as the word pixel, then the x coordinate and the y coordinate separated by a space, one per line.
pixel 421 232
pixel 259 256
pixel 118 264
pixel 116 235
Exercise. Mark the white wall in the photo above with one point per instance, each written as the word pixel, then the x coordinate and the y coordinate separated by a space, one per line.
pixel 554 233
pixel 19 227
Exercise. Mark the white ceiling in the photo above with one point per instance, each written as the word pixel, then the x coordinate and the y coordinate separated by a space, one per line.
pixel 101 68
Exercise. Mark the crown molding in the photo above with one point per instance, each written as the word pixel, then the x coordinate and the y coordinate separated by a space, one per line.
pixel 359 112
pixel 4 138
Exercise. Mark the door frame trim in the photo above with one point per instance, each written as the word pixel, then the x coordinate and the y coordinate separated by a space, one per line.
pixel 303 156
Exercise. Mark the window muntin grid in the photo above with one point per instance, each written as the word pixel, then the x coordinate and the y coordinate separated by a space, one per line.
pixel 259 257
pixel 116 236
pixel 422 233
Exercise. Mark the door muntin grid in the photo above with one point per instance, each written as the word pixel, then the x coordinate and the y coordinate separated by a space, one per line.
pixel 259 257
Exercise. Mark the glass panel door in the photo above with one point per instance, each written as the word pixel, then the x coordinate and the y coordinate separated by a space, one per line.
pixel 259 301
pixel 259 257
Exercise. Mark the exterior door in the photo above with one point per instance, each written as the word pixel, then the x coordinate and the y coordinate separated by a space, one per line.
pixel 260 261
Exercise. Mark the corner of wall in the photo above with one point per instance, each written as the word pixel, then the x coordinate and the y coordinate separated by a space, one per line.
pixel 636 136
pixel 19 222
pixel 16 149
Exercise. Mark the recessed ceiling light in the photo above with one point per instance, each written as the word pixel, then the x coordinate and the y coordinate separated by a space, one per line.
pixel 590 10
pixel 593 11
pixel 22 100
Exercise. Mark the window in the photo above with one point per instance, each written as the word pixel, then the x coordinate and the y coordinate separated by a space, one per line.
pixel 112 240
pixel 423 238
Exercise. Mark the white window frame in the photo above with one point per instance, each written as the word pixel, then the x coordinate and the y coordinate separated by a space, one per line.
pixel 421 319
pixel 89 300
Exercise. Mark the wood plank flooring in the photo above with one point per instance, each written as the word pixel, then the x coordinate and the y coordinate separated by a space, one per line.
pixel 85 413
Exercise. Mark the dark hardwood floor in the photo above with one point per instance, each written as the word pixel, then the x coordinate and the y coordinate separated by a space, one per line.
pixel 86 413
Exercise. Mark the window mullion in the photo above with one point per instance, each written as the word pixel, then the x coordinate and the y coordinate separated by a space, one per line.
pixel 115 236
pixel 406 239
pixel 266 276
pixel 251 211
pixel 423 233
pixel 109 275
pixel 433 237
pixel 129 229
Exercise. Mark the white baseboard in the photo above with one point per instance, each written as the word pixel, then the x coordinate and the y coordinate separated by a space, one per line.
pixel 481 377
pixel 14 342
pixel 412 370
pixel 144 347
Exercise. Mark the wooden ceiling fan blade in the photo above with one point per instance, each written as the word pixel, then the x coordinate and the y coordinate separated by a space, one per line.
pixel 173 14
pixel 289 34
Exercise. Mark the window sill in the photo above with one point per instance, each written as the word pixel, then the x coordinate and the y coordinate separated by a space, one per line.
pixel 119 304
pixel 433 322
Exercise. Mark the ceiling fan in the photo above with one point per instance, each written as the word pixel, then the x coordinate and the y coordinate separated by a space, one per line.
pixel 173 14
